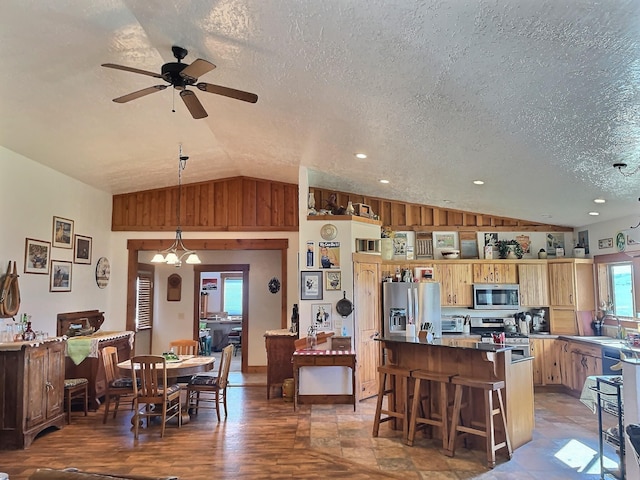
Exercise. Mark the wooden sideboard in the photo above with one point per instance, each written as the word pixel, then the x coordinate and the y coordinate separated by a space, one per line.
pixel 32 390
pixel 280 348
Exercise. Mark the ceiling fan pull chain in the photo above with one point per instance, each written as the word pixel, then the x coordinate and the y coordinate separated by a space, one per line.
pixel 173 100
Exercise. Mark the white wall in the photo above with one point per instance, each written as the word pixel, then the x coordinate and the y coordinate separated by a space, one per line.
pixel 610 229
pixel 30 196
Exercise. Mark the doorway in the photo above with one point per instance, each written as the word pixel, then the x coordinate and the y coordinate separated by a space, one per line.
pixel 222 293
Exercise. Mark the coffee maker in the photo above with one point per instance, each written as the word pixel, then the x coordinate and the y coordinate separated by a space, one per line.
pixel 538 322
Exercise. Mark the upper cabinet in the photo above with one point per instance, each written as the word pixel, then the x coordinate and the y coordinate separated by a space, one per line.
pixel 571 284
pixel 495 273
pixel 534 285
pixel 456 279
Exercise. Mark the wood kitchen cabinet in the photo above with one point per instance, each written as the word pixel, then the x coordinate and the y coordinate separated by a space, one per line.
pixel 586 361
pixel 534 284
pixel 280 347
pixel 566 368
pixel 571 289
pixel 456 284
pixel 495 273
pixel 32 386
pixel 546 361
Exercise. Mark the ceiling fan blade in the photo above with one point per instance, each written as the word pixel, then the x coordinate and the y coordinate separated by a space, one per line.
pixel 193 104
pixel 228 92
pixel 198 68
pixel 131 69
pixel 139 93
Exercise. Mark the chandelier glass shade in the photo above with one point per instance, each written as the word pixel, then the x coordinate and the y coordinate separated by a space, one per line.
pixel 175 254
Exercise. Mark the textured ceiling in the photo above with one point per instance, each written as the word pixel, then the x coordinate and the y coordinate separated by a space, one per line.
pixel 538 98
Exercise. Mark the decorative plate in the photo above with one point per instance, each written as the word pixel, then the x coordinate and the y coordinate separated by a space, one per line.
pixel 328 231
pixel 274 285
pixel 103 272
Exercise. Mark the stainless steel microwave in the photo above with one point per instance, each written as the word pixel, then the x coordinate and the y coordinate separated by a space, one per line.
pixel 491 296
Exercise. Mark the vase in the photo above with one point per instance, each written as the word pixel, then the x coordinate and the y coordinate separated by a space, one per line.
pixel 350 209
pixel 311 202
pixel 511 253
pixel 386 248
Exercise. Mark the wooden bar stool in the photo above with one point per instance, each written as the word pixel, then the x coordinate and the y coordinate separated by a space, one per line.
pixel 488 429
pixel 398 382
pixel 425 417
pixel 76 388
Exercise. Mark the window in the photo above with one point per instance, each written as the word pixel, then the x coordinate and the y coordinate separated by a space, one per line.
pixel 232 294
pixel 144 300
pixel 621 289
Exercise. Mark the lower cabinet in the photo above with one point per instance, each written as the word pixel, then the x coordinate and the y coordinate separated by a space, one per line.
pixel 577 362
pixel 546 361
pixel 280 348
pixel 32 383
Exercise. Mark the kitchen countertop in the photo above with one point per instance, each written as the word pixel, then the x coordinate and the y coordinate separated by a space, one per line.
pixel 444 342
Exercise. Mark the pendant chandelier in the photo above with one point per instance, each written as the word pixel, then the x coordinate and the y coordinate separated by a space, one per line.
pixel 177 251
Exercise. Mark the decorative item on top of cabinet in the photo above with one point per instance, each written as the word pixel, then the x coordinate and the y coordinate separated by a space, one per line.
pixel 424 245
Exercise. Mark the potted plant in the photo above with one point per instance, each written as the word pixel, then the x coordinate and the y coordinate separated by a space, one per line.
pixel 510 249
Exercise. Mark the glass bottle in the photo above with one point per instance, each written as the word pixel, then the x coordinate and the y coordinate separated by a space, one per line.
pixel 294 319
pixel 28 334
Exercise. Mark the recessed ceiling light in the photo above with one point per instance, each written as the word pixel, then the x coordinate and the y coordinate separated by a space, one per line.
pixel 594 214
pixel 478 182
pixel 599 200
pixel 361 156
pixel 545 215
pixel 384 181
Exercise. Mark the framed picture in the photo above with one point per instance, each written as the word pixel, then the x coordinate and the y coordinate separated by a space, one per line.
pixel 329 254
pixel 468 245
pixel 310 285
pixel 554 240
pixel 605 243
pixel 82 249
pixel 400 245
pixel 321 316
pixel 333 280
pixel 36 256
pixel 60 276
pixel 62 232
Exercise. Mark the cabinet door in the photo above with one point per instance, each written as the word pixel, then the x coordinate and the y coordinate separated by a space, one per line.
pixel 461 284
pixel 537 352
pixel 54 386
pixel 505 273
pixel 551 362
pixel 483 273
pixel 534 287
pixel 35 386
pixel 443 274
pixel 563 321
pixel 561 284
pixel 566 368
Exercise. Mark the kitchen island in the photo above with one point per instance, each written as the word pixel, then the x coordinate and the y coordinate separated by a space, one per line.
pixel 482 361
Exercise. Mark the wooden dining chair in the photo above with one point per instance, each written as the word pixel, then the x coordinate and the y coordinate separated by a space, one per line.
pixel 117 385
pixel 203 385
pixel 153 397
pixel 184 347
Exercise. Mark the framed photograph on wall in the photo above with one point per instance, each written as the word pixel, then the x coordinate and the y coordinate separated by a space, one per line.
pixel 62 232
pixel 60 276
pixel 82 249
pixel 310 285
pixel 333 280
pixel 321 316
pixel 36 256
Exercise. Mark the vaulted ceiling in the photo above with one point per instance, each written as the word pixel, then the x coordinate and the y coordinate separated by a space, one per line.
pixel 538 98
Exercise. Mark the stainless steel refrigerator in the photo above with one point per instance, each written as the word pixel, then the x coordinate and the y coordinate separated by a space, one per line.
pixel 402 300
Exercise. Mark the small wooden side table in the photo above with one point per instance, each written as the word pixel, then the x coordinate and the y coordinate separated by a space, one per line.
pixel 324 358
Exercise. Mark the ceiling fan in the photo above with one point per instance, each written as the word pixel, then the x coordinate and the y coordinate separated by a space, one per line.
pixel 181 75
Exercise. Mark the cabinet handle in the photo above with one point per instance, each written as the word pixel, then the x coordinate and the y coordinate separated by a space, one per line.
pixel 455 299
pixel 49 386
pixel 571 298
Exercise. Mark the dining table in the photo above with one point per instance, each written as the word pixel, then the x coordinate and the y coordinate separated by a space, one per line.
pixel 185 365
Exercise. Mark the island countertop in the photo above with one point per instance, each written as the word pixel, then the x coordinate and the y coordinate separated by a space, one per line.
pixel 478 360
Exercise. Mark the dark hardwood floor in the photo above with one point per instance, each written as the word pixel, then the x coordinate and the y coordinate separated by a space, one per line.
pixel 266 439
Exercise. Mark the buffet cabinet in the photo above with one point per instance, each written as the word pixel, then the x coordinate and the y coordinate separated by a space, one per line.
pixel 280 347
pixel 31 390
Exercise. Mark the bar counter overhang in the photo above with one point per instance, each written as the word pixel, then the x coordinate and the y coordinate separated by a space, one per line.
pixel 482 361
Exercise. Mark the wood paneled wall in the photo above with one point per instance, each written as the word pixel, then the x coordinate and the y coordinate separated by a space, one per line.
pixel 412 216
pixel 249 204
pixel 236 204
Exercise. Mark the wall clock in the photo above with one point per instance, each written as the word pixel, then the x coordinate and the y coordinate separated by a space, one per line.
pixel 274 285
pixel 103 272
